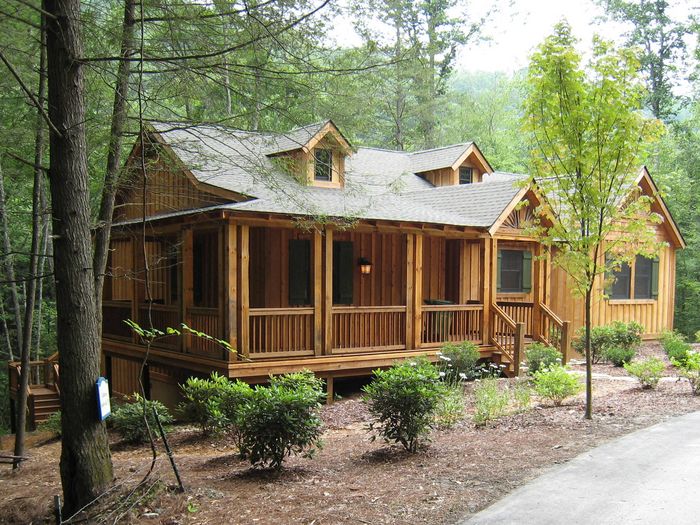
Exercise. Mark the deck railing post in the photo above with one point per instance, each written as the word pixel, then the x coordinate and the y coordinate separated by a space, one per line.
pixel 244 327
pixel 519 347
pixel 410 304
pixel 565 341
pixel 418 292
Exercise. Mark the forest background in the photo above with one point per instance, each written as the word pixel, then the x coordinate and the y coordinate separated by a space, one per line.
pixel 397 85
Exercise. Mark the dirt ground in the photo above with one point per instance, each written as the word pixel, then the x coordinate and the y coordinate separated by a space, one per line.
pixel 354 480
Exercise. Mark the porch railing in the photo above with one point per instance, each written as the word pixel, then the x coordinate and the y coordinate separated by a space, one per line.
pixel 507 336
pixel 114 313
pixel 520 313
pixel 368 328
pixel 162 316
pixel 451 323
pixel 205 320
pixel 554 331
pixel 43 372
pixel 279 332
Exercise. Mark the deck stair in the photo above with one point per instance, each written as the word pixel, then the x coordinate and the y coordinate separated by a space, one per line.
pixel 44 389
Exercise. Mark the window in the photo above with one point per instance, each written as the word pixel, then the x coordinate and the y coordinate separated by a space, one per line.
pixel 205 269
pixel 465 175
pixel 299 272
pixel 621 286
pixel 514 271
pixel 343 272
pixel 323 165
pixel 642 277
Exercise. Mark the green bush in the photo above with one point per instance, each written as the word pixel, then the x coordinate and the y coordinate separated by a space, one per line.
pixel 490 401
pixel 556 384
pixel 450 409
pixel 603 338
pixel 127 419
pixel 522 396
pixel 649 371
pixel 675 346
pixel 52 424
pixel 539 356
pixel 404 400
pixel 281 419
pixel 203 400
pixel 690 369
pixel 619 355
pixel 459 361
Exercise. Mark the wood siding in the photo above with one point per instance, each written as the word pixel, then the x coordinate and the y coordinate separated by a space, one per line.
pixel 125 376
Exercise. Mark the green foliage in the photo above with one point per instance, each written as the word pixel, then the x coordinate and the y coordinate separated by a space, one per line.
pixel 51 424
pixel 522 396
pixel 404 400
pixel 128 419
pixel 490 401
pixel 280 420
pixel 450 409
pixel 540 355
pixel 202 403
pixel 675 346
pixel 556 384
pixel 690 369
pixel 459 362
pixel 649 371
pixel 616 340
pixel 619 355
pixel 5 423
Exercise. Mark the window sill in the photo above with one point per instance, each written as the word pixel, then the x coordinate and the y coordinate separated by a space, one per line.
pixel 631 301
pixel 514 295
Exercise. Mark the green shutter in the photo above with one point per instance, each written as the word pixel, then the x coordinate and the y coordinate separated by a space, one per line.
pixel 498 273
pixel 527 271
pixel 655 279
pixel 299 272
pixel 343 272
pixel 608 277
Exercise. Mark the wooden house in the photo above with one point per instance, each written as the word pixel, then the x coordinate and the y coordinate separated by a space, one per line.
pixel 305 253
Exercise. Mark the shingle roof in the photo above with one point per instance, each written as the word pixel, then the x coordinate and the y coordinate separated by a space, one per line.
pixel 379 184
pixel 434 159
pixel 294 139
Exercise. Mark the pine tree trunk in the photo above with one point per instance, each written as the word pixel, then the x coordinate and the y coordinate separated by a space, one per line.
pixel 86 466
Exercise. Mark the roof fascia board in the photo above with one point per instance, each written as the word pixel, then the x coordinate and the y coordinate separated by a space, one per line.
pixel 508 209
pixel 473 149
pixel 669 221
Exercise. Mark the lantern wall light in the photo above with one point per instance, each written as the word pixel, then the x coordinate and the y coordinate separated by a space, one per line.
pixel 365 266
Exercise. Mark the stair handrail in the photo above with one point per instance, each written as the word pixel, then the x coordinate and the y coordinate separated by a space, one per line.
pixel 497 311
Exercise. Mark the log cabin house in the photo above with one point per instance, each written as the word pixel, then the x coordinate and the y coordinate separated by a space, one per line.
pixel 305 253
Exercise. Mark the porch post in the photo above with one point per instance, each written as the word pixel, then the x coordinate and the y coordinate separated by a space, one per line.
pixel 486 300
pixel 230 303
pixel 538 295
pixel 410 303
pixel 244 327
pixel 328 297
pixel 187 280
pixel 134 286
pixel 519 346
pixel 318 294
pixel 418 292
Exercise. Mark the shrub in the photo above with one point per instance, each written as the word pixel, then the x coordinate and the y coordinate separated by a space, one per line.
pixel 234 395
pixel 404 400
pixel 459 361
pixel 690 369
pixel 603 338
pixel 490 401
pixel 600 337
pixel 127 419
pixel 648 372
pixel 281 419
pixel 539 356
pixel 52 424
pixel 619 355
pixel 556 384
pixel 450 409
pixel 522 396
pixel 202 404
pixel 675 346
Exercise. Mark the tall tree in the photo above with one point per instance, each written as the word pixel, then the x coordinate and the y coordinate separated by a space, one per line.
pixel 587 135
pixel 661 40
pixel 86 467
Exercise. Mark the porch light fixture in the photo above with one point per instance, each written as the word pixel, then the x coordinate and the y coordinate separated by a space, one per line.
pixel 365 266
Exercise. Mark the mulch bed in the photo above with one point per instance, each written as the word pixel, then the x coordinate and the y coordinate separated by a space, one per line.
pixel 355 480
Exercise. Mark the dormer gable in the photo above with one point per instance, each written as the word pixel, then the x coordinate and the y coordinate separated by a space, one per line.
pixel 451 165
pixel 316 154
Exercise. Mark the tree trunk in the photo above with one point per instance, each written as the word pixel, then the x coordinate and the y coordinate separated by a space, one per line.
pixel 86 466
pixel 589 360
pixel 30 294
pixel 10 267
pixel 119 111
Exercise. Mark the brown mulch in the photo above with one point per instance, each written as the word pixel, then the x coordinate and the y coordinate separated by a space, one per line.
pixel 354 480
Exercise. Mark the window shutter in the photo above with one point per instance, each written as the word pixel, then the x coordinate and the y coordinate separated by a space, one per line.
pixel 527 271
pixel 608 277
pixel 655 279
pixel 498 272
pixel 343 272
pixel 299 272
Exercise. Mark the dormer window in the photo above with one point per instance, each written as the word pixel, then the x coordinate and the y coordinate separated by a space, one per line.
pixel 465 175
pixel 323 165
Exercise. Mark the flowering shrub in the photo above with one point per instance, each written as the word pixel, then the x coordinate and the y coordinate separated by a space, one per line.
pixel 450 409
pixel 539 356
pixel 459 361
pixel 648 372
pixel 690 369
pixel 556 384
pixel 404 400
pixel 490 401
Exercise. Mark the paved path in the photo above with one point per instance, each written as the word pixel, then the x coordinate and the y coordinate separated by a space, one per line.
pixel 651 476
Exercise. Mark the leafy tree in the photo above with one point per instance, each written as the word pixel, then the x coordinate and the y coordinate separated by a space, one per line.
pixel 586 134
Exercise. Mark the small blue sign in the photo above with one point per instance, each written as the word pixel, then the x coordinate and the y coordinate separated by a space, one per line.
pixel 104 408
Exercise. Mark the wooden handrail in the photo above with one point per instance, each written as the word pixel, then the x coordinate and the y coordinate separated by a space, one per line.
pixel 367 309
pixel 549 313
pixel 504 316
pixel 452 307
pixel 260 312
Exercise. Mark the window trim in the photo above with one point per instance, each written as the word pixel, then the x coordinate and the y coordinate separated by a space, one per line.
pixel 318 163
pixel 631 297
pixel 465 169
